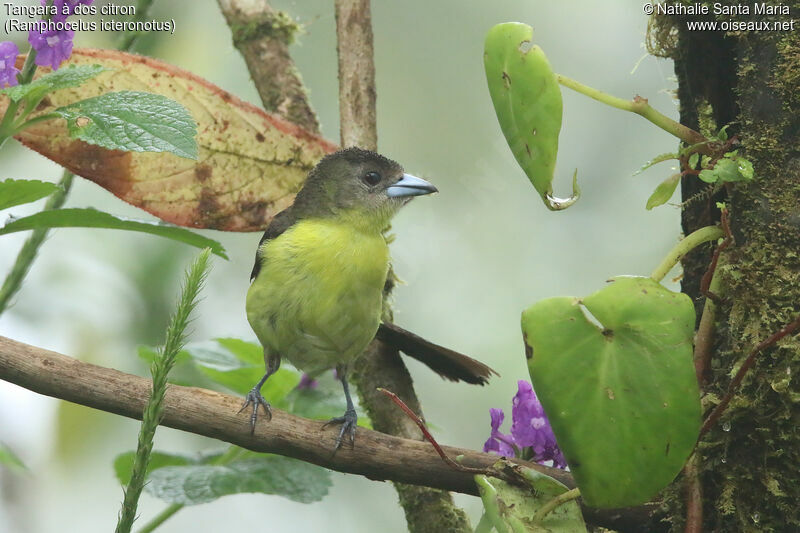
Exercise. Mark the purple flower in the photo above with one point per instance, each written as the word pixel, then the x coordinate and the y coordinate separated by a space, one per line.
pixel 65 8
pixel 52 47
pixel 307 382
pixel 498 442
pixel 8 60
pixel 530 429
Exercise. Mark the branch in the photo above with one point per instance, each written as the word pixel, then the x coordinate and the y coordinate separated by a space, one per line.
pixel 357 125
pixel 262 35
pixel 381 366
pixel 376 456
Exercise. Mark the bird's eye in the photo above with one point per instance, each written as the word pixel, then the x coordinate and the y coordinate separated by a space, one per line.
pixel 371 178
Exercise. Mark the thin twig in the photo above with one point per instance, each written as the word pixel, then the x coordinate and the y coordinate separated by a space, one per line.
pixel 421 425
pixel 705 282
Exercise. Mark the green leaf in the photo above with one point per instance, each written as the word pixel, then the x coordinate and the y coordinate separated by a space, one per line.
pixel 513 507
pixel 17 192
pixel 238 365
pixel 123 463
pixel 744 168
pixel 527 101
pixel 663 192
pixel 730 169
pixel 10 459
pixel 708 176
pixel 693 159
pixel 133 121
pixel 92 218
pixel 269 474
pixel 630 415
pixel 657 159
pixel 64 78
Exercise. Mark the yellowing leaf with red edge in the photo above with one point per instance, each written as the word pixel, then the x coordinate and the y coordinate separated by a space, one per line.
pixel 250 163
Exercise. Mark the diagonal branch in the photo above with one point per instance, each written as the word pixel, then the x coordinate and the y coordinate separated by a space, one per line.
pixel 263 35
pixel 376 455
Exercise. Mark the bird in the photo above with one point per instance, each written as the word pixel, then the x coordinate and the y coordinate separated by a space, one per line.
pixel 317 290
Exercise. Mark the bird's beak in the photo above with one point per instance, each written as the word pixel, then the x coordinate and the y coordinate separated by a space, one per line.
pixel 410 186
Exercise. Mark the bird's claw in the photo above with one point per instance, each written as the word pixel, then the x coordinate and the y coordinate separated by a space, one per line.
pixel 349 423
pixel 255 399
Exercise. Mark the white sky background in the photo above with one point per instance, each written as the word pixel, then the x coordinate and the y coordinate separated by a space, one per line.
pixel 473 257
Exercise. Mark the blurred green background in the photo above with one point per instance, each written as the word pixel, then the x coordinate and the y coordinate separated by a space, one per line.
pixel 471 257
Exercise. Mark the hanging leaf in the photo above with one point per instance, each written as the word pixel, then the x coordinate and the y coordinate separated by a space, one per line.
pixel 527 101
pixel 614 373
pixel 663 192
pixel 250 163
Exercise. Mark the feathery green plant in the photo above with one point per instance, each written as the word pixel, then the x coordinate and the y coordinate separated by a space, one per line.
pixel 160 367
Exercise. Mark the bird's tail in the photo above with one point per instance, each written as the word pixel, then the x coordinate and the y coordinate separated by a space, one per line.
pixel 448 363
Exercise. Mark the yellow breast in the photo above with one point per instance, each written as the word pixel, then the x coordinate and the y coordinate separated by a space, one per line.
pixel 317 300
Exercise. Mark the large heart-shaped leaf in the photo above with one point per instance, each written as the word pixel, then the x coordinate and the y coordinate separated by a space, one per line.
pixel 527 101
pixel 250 163
pixel 614 373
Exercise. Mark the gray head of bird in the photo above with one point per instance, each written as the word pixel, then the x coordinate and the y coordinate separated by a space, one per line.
pixel 359 185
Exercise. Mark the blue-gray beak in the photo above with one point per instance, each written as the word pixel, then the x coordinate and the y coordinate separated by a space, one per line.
pixel 410 186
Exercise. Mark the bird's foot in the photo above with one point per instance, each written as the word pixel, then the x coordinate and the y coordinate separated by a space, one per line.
pixel 255 399
pixel 349 423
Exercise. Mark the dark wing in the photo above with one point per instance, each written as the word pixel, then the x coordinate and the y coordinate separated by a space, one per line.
pixel 447 363
pixel 280 223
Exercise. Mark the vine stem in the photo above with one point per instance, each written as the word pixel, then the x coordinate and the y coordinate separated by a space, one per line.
pixel 160 518
pixel 544 510
pixel 686 245
pixel 641 107
pixel 30 249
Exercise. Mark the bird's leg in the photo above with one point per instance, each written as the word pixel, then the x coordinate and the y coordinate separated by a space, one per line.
pixel 255 398
pixel 349 420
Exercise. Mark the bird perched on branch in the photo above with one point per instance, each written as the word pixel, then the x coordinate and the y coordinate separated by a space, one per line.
pixel 318 279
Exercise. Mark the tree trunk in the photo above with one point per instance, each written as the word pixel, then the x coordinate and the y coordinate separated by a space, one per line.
pixel 750 462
